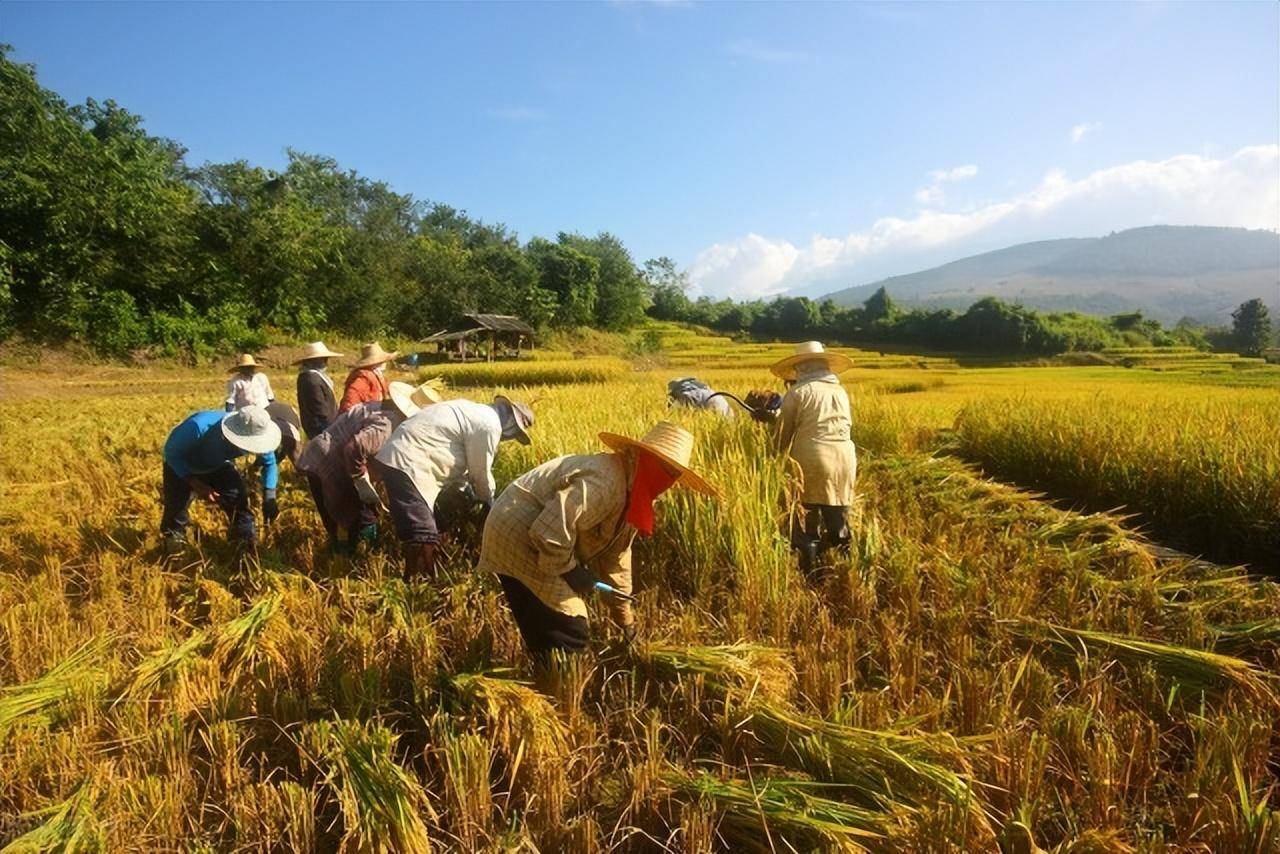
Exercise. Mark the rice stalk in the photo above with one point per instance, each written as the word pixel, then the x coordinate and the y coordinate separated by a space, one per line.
pixel 1242 637
pixel 35 701
pixel 162 668
pixel 237 640
pixel 749 668
pixel 382 804
pixel 1206 672
pixel 71 827
pixel 772 813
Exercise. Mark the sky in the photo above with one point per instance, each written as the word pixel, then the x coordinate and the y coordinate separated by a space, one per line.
pixel 766 147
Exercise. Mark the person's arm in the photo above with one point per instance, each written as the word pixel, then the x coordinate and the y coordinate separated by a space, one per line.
pixel 311 403
pixel 230 403
pixel 270 471
pixel 266 386
pixel 363 445
pixel 616 570
pixel 481 445
pixel 180 443
pixel 787 421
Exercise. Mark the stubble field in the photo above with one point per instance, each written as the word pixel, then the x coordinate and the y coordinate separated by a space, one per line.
pixel 989 669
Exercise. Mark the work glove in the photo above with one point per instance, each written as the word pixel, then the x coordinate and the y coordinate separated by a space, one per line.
pixel 629 634
pixel 270 507
pixel 581 580
pixel 230 407
pixel 364 488
pixel 481 511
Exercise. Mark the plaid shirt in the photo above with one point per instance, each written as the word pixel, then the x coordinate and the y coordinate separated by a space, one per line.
pixel 342 452
pixel 565 512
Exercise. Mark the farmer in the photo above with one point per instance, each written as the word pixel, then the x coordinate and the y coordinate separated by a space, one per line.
pixel 693 393
pixel 366 382
pixel 248 385
pixel 316 401
pixel 198 458
pixel 815 427
pixel 443 445
pixel 559 529
pixel 336 462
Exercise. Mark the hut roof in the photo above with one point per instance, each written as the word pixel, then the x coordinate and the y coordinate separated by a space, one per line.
pixel 472 324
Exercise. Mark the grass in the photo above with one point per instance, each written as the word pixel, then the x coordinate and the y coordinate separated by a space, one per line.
pixel 987 664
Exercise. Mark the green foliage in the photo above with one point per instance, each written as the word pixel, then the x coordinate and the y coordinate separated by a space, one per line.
pixel 1251 327
pixel 110 238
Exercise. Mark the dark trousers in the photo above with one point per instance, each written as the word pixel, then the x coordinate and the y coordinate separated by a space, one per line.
pixel 317 495
pixel 233 498
pixel 414 522
pixel 827 524
pixel 543 629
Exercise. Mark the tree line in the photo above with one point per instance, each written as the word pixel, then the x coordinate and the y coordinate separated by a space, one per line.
pixel 109 237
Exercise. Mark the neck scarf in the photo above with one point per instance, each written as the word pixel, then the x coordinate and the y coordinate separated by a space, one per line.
pixel 651 481
pixel 322 370
pixel 814 371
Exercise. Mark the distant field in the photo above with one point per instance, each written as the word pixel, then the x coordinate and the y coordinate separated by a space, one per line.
pixel 986 666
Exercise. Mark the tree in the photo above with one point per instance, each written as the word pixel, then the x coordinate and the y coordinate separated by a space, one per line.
pixel 668 289
pixel 1251 327
pixel 878 306
pixel 570 275
pixel 620 291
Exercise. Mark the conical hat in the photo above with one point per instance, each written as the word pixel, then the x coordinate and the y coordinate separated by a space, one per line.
pixel 373 354
pixel 671 444
pixel 251 429
pixel 811 351
pixel 316 350
pixel 245 361
pixel 409 399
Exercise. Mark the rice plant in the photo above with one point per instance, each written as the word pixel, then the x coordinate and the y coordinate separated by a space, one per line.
pixel 36 702
pixel 68 828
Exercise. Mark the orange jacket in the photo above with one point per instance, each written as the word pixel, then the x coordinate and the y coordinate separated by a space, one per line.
pixel 363 385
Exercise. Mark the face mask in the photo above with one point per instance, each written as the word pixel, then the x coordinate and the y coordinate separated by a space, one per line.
pixel 380 369
pixel 652 479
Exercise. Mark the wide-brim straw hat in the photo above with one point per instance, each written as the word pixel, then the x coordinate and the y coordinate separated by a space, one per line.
pixel 409 399
pixel 251 429
pixel 316 350
pixel 671 444
pixel 523 415
pixel 373 354
pixel 811 351
pixel 245 361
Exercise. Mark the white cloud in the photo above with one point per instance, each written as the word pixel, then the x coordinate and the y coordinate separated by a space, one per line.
pixel 757 52
pixel 1078 131
pixel 516 114
pixel 935 193
pixel 1241 189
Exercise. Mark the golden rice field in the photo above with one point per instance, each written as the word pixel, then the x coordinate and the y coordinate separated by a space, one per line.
pixel 988 670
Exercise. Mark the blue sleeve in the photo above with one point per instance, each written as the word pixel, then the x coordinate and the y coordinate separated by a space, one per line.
pixel 270 471
pixel 181 440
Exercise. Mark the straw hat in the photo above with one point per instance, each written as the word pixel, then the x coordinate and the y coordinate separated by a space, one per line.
pixel 523 415
pixel 245 361
pixel 315 350
pixel 811 351
pixel 669 443
pixel 251 429
pixel 409 399
pixel 373 354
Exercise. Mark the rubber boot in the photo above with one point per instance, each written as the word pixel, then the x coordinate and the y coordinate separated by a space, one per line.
pixel 419 559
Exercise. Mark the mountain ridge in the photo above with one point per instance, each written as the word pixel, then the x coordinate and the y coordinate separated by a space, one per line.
pixel 1166 271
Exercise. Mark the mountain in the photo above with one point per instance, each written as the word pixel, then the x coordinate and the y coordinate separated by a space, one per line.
pixel 1167 272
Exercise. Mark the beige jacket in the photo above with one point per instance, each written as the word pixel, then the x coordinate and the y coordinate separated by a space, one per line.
pixel 815 426
pixel 567 511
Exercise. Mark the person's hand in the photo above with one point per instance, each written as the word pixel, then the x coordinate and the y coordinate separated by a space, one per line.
pixel 270 507
pixel 364 488
pixel 629 634
pixel 581 580
pixel 204 490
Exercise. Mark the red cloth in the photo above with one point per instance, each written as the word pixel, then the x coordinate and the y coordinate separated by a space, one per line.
pixel 651 481
pixel 364 385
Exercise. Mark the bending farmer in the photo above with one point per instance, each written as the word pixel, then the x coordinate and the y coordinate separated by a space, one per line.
pixel 443 445
pixel 198 458
pixel 568 524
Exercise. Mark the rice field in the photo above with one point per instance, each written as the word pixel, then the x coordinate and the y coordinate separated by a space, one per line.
pixel 990 668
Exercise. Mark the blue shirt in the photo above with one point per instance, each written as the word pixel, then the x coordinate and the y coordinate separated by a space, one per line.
pixel 197 446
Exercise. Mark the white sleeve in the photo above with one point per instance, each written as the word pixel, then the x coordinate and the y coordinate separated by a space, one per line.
pixel 481 446
pixel 231 391
pixel 266 385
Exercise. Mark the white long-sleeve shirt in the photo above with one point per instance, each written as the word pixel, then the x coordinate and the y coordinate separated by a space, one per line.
pixel 445 444
pixel 254 391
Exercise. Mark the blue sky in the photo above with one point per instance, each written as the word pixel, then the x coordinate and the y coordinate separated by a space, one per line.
pixel 764 146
